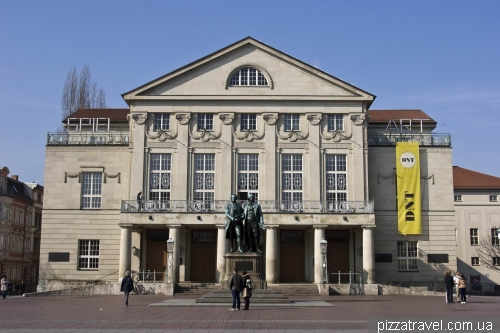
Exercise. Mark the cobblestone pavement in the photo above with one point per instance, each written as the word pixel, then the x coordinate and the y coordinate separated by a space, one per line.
pixel 348 313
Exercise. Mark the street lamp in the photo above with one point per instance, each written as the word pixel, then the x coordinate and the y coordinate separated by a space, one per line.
pixel 323 245
pixel 170 269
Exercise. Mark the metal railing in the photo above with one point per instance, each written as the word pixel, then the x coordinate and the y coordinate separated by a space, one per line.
pixel 149 276
pixel 424 139
pixel 352 277
pixel 87 138
pixel 268 206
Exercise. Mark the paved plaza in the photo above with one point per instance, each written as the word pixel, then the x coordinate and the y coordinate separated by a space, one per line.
pixel 159 313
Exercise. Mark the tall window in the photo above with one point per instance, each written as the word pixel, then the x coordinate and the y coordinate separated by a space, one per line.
pixel 494 237
pixel 204 176
pixel 248 122
pixel 205 122
pixel 292 122
pixel 162 122
pixel 159 177
pixel 248 175
pixel 407 256
pixel 88 254
pixel 474 261
pixel 291 183
pixel 91 190
pixel 336 178
pixel 335 122
pixel 496 261
pixel 248 76
pixel 474 238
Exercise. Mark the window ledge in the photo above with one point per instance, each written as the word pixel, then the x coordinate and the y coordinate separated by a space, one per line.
pixel 407 270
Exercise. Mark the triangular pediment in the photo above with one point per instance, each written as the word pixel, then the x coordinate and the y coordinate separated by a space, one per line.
pixel 289 78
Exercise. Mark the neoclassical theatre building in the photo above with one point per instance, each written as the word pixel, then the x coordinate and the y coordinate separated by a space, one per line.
pixel 248 119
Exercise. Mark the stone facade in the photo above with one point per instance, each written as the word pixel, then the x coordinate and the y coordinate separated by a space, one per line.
pixel 317 176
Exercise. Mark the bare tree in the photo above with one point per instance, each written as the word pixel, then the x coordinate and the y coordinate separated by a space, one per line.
pixel 80 92
pixel 489 251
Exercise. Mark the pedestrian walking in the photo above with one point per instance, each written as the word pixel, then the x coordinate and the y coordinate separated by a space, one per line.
pixel 462 285
pixel 127 286
pixel 448 282
pixel 456 278
pixel 5 286
pixel 236 284
pixel 247 289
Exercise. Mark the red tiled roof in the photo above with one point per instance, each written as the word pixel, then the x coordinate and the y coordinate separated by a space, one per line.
pixel 464 179
pixel 115 115
pixel 383 116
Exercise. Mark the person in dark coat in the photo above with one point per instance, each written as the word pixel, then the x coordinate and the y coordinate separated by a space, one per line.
pixel 247 289
pixel 236 284
pixel 127 286
pixel 449 283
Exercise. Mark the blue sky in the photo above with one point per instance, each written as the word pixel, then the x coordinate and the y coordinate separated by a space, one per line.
pixel 439 56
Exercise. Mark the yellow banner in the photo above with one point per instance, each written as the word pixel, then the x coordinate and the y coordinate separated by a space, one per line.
pixel 408 183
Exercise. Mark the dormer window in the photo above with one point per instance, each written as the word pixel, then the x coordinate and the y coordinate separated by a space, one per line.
pixel 248 76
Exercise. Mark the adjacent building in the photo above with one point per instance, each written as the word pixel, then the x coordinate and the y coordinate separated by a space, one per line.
pixel 20 221
pixel 247 119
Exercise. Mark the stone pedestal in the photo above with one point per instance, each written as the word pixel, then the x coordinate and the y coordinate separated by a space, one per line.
pixel 253 263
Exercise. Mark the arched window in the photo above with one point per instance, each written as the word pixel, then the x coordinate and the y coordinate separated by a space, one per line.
pixel 248 76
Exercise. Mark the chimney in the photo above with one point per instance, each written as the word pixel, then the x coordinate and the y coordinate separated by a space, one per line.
pixel 15 177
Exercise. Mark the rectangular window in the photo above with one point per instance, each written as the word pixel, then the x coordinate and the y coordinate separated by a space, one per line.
pixel 292 122
pixel 88 254
pixel 159 178
pixel 493 198
pixel 496 261
pixel 91 190
pixel 248 175
pixel 458 198
pixel 205 122
pixel 474 261
pixel 336 178
pixel 474 238
pixel 407 256
pixel 335 122
pixel 204 176
pixel 162 122
pixel 494 237
pixel 291 178
pixel 248 122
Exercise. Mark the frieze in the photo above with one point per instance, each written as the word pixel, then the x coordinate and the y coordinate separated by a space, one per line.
pixel 226 118
pixel 162 144
pixel 270 118
pixel 139 118
pixel 336 136
pixel 205 145
pixel 314 118
pixel 183 118
pixel 249 145
pixel 283 145
pixel 205 135
pixel 293 136
pixel 358 119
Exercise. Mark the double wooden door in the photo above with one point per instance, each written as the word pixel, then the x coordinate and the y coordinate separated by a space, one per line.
pixel 203 255
pixel 337 255
pixel 292 256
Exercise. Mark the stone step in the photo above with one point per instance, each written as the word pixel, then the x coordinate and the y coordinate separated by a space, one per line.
pixel 193 288
pixel 295 289
pixel 258 296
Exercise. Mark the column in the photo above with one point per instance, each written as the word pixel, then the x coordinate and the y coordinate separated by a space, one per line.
pixel 319 234
pixel 221 251
pixel 125 250
pixel 271 252
pixel 175 234
pixel 368 254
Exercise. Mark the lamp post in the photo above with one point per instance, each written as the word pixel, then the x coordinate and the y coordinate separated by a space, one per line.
pixel 323 245
pixel 170 268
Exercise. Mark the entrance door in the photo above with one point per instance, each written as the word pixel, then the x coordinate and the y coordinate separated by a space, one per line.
pixel 203 253
pixel 292 254
pixel 156 259
pixel 337 255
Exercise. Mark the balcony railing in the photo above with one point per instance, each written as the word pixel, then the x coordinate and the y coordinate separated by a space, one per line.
pixel 424 139
pixel 268 206
pixel 5 190
pixel 87 138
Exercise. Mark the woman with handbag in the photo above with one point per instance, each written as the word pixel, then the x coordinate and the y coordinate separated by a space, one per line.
pixel 247 289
